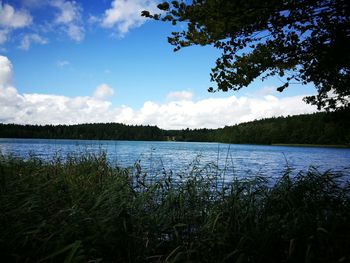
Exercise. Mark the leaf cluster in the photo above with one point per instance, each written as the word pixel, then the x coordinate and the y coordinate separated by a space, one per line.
pixel 298 41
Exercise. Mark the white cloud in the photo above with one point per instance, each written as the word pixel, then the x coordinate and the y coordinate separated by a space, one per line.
pixel 103 91
pixel 28 39
pixel 41 109
pixel 33 3
pixel 210 113
pixel 69 18
pixel 3 35
pixel 93 19
pixel 67 13
pixel 10 18
pixel 218 112
pixel 267 90
pixel 125 14
pixel 5 72
pixel 75 32
pixel 179 95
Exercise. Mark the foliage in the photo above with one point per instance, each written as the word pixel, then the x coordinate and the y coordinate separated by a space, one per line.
pixel 95 131
pixel 87 210
pixel 298 41
pixel 319 128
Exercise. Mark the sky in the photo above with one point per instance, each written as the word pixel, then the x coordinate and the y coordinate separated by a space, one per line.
pixel 69 62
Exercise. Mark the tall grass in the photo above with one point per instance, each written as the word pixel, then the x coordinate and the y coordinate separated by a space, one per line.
pixel 87 210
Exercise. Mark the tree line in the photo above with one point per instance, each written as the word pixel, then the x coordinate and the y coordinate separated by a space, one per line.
pixel 88 131
pixel 328 128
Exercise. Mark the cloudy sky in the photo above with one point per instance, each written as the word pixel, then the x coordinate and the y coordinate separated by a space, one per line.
pixel 66 62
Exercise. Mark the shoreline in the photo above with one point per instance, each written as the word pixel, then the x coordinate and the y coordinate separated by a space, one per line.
pixel 343 146
pixel 312 145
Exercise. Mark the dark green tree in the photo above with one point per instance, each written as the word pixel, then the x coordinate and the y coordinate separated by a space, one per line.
pixel 300 41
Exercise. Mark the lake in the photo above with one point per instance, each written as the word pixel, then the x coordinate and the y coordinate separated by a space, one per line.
pixel 237 160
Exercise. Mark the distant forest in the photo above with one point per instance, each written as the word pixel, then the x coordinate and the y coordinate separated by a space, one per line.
pixel 332 128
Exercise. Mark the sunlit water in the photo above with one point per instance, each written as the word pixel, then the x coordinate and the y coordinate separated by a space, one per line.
pixel 236 160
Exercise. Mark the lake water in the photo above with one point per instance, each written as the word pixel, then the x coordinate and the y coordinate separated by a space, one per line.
pixel 236 160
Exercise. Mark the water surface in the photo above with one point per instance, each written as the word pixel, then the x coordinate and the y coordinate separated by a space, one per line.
pixel 237 160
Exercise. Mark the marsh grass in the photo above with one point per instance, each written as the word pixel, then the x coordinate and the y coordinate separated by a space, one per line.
pixel 85 209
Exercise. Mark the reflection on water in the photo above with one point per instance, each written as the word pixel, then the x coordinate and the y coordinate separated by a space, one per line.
pixel 237 160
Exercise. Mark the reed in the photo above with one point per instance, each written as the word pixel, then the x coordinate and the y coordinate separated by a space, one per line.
pixel 85 209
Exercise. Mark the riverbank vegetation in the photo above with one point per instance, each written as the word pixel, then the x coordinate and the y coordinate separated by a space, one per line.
pixel 85 209
pixel 332 128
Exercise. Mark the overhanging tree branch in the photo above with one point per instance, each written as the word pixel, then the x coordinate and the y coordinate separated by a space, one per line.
pixel 310 38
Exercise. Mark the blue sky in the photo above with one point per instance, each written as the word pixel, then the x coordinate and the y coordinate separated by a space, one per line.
pixel 64 61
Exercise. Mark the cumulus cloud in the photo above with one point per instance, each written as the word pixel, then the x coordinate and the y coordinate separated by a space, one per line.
pixel 217 112
pixel 69 18
pixel 124 14
pixel 5 71
pixel 209 113
pixel 3 35
pixel 267 90
pixel 50 109
pixel 178 114
pixel 33 3
pixel 28 39
pixel 93 19
pixel 11 19
pixel 103 91
pixel 179 95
